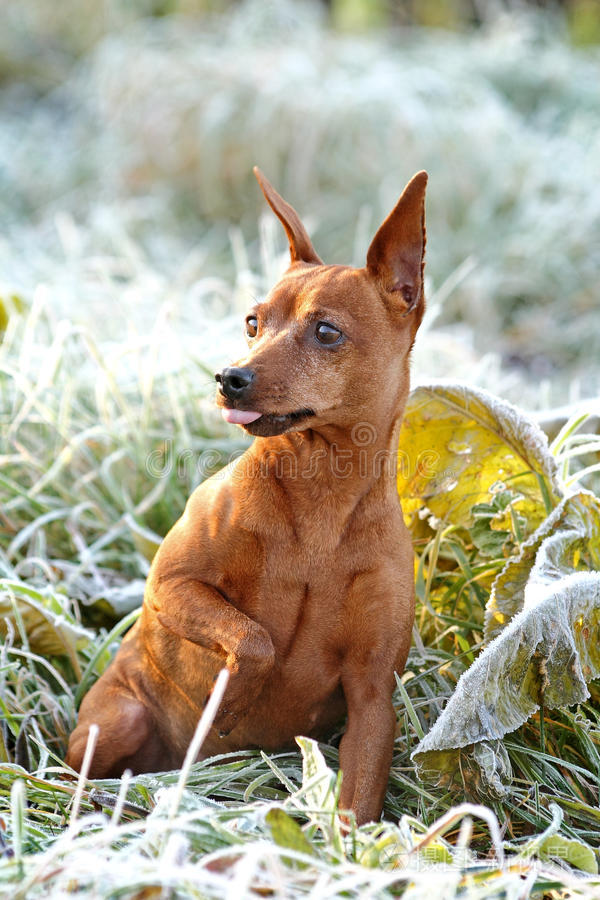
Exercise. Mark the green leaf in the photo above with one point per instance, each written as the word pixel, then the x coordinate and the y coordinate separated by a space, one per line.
pixel 287 833
pixel 488 531
pixel 575 852
pixel 490 543
pixel 552 845
pixel 546 653
pixel 458 445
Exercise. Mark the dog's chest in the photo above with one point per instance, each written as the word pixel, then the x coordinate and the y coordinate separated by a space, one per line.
pixel 295 567
pixel 305 593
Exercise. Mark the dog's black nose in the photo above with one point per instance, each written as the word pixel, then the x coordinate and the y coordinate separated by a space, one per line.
pixel 234 381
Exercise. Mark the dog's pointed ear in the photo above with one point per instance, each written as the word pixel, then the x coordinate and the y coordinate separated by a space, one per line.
pixel 301 248
pixel 396 257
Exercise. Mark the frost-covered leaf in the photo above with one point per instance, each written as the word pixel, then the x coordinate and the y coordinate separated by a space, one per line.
pixel 122 598
pixel 546 653
pixel 571 542
pixel 319 792
pixel 458 443
pixel 318 780
pixel 486 769
pixel 552 845
pixel 483 770
pixel 49 628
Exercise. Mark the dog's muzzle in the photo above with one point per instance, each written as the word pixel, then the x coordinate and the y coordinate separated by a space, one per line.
pixel 234 382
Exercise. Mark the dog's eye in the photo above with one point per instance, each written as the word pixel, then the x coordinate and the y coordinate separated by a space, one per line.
pixel 251 326
pixel 327 334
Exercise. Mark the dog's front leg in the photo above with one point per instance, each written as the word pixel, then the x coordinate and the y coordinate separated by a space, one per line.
pixel 367 746
pixel 198 613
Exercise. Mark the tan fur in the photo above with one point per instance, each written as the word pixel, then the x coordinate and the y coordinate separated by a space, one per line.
pixel 293 567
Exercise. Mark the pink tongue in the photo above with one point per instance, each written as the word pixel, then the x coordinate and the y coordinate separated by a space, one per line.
pixel 240 416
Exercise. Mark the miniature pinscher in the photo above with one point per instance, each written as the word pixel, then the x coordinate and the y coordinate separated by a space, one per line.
pixel 293 566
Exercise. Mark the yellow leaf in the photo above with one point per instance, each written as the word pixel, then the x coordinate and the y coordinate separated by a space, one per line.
pixel 458 443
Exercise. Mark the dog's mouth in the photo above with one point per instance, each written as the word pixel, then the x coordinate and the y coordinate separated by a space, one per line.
pixel 266 424
pixel 239 416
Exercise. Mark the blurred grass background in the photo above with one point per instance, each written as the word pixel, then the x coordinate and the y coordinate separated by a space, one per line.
pixel 128 131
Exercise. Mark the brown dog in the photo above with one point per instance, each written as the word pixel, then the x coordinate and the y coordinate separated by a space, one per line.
pixel 293 567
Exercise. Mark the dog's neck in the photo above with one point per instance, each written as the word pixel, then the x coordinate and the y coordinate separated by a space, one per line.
pixel 339 465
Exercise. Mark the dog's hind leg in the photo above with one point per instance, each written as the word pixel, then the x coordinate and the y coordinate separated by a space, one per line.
pixel 127 738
